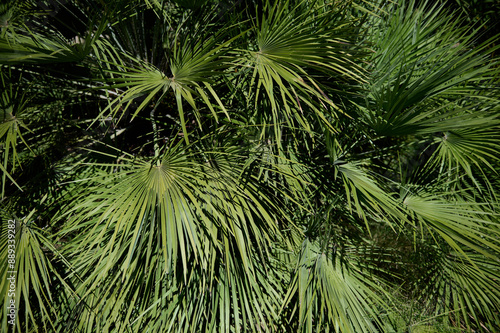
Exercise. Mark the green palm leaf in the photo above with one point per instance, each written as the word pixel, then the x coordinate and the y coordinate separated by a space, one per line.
pixel 292 44
pixel 423 55
pixel 175 217
pixel 332 296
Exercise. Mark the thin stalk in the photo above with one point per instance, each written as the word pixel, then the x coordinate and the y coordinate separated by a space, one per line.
pixel 155 133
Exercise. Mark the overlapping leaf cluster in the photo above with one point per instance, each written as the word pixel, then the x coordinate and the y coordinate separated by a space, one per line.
pixel 263 166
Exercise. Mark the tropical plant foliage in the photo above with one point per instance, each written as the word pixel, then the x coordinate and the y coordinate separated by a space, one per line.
pixel 260 166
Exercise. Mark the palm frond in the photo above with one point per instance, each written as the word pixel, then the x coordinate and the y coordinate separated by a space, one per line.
pixel 423 55
pixel 293 43
pixel 331 295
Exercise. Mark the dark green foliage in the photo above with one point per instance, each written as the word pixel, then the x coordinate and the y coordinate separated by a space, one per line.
pixel 263 166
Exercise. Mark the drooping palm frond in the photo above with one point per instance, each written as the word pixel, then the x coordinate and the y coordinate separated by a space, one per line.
pixel 26 45
pixel 29 278
pixel 13 103
pixel 187 70
pixel 332 296
pixel 455 221
pixel 294 50
pixel 367 196
pixel 421 55
pixel 189 220
pixel 467 287
pixel 466 150
pixel 263 166
pixel 460 235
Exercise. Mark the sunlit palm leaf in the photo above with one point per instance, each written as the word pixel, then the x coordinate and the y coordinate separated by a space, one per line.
pixel 174 218
pixel 469 149
pixel 332 296
pixel 292 43
pixel 190 70
pixel 367 196
pixel 455 221
pixel 27 46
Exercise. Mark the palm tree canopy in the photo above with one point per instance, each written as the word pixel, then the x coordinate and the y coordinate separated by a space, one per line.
pixel 260 166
